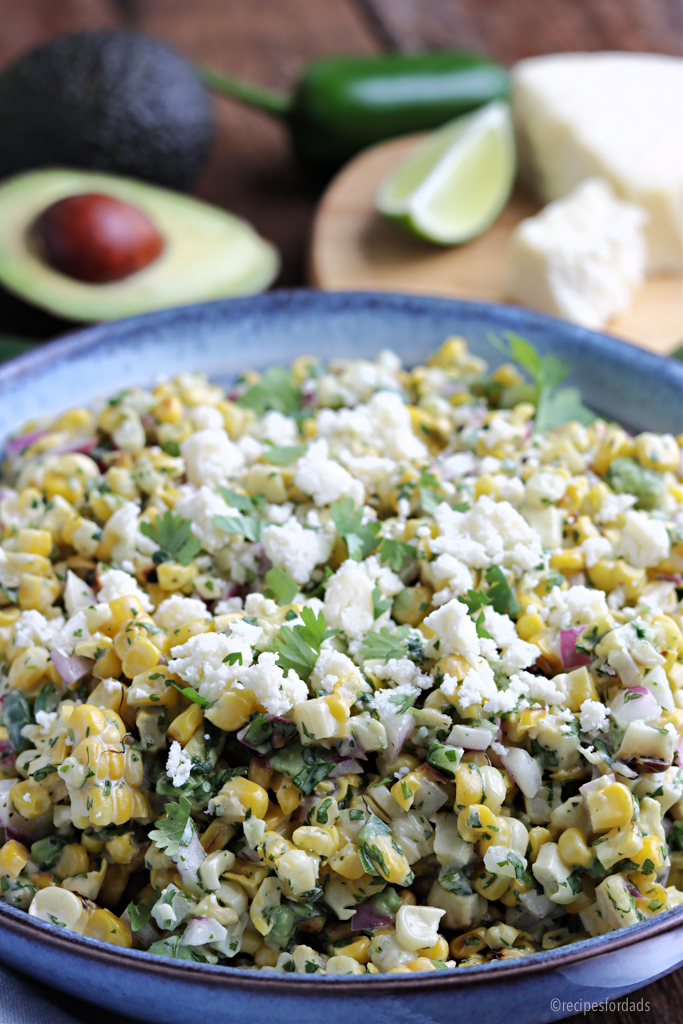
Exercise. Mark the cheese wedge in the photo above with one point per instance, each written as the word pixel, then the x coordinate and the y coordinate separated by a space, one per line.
pixel 616 115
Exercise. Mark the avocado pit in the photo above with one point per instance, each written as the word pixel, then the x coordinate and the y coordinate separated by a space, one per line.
pixel 96 238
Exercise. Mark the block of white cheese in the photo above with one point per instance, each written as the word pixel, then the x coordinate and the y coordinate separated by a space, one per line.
pixel 581 257
pixel 616 115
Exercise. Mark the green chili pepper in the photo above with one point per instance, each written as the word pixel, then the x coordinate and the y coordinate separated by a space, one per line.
pixel 626 476
pixel 343 104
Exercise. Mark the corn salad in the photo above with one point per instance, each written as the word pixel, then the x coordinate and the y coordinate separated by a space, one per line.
pixel 349 669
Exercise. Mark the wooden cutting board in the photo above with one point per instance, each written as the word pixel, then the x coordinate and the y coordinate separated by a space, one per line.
pixel 353 248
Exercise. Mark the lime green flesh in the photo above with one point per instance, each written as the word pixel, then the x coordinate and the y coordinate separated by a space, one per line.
pixel 454 186
pixel 208 253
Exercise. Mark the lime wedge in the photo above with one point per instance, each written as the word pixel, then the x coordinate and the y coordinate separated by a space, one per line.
pixel 455 183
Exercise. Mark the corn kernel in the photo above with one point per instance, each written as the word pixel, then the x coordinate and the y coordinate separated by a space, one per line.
pixel 573 848
pixel 439 951
pixel 232 710
pixel 237 797
pixel 286 793
pixel 28 668
pixel 529 624
pixel 468 943
pixel 357 950
pixel 182 727
pixel 28 800
pixel 569 560
pixel 13 858
pixel 609 807
pixel 347 863
pixel 35 542
pixel 141 657
pixel 73 860
pixel 107 927
pixel 538 836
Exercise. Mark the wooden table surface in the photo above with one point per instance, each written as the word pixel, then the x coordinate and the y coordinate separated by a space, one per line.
pixel 251 171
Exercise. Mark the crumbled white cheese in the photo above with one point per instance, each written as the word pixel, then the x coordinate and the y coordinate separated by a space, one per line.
pixel 490 533
pixel 450 576
pixel 613 507
pixel 33 628
pixel 202 662
pixel 117 583
pixel 324 479
pixel 582 257
pixel 477 687
pixel 644 541
pixel 330 668
pixel 297 550
pixel 278 429
pixel 274 690
pixel 206 417
pixel 46 719
pixel 383 423
pixel 178 765
pixel 455 631
pixel 177 610
pixel 575 606
pixel 594 716
pixel 595 548
pixel 210 457
pixel 348 600
pixel 200 507
pixel 402 672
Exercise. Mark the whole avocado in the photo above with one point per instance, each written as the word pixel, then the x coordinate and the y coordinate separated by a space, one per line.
pixel 109 100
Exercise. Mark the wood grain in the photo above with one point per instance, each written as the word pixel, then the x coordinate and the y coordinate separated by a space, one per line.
pixel 251 171
pixel 354 248
pixel 512 29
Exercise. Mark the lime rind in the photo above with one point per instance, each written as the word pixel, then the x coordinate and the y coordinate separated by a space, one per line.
pixel 454 185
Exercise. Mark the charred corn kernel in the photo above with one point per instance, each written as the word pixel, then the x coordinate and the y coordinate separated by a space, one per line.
pixel 569 560
pixel 617 444
pixel 232 710
pixel 657 451
pixel 476 821
pixel 35 542
pixel 609 807
pixel 260 772
pixel 538 836
pixel 36 593
pixel 347 863
pixel 405 789
pixel 72 861
pixel 217 836
pixel 168 409
pixel 182 727
pixel 579 687
pixel 28 799
pixel 529 624
pixel 574 849
pixel 439 951
pixel 105 926
pixel 316 839
pixel 468 943
pixel 173 576
pixel 13 858
pixel 183 633
pixel 141 657
pixel 286 793
pixel 650 857
pixel 237 797
pixel 28 668
pixel 488 885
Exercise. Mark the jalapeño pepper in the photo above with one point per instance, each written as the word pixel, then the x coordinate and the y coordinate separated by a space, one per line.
pixel 341 105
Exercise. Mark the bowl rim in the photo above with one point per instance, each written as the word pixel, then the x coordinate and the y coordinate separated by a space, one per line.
pixel 31 929
pixel 78 342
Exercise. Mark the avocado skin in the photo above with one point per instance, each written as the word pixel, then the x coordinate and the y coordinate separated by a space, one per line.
pixel 110 100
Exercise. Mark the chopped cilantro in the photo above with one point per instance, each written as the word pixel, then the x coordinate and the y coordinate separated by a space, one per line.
pixel 275 390
pixel 283 456
pixel 174 536
pixel 175 830
pixel 244 526
pixel 395 552
pixel 379 604
pixel 192 695
pixel 298 646
pixel 500 593
pixel 361 539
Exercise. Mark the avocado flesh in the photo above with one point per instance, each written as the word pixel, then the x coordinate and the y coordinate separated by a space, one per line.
pixel 208 253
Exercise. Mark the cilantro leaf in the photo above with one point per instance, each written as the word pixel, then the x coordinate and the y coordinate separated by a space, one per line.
pixel 474 599
pixel 275 390
pixel 283 456
pixel 553 406
pixel 174 536
pixel 395 552
pixel 360 539
pixel 140 913
pixel 313 772
pixel 379 604
pixel 233 659
pixel 384 644
pixel 192 695
pixel 298 647
pixel 280 586
pixel 242 502
pixel 501 594
pixel 430 492
pixel 175 830
pixel 403 701
pixel 245 526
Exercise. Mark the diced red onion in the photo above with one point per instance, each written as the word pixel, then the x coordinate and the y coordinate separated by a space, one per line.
pixel 523 769
pixel 397 733
pixel 568 653
pixel 632 889
pixel 71 668
pixel 347 767
pixel 16 445
pixel 368 915
pixel 246 853
pixel 83 445
pixel 635 703
pixel 350 747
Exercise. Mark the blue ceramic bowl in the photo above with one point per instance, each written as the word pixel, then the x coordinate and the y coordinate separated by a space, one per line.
pixel 619 381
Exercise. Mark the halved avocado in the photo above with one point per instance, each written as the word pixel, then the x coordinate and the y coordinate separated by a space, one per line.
pixel 207 253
